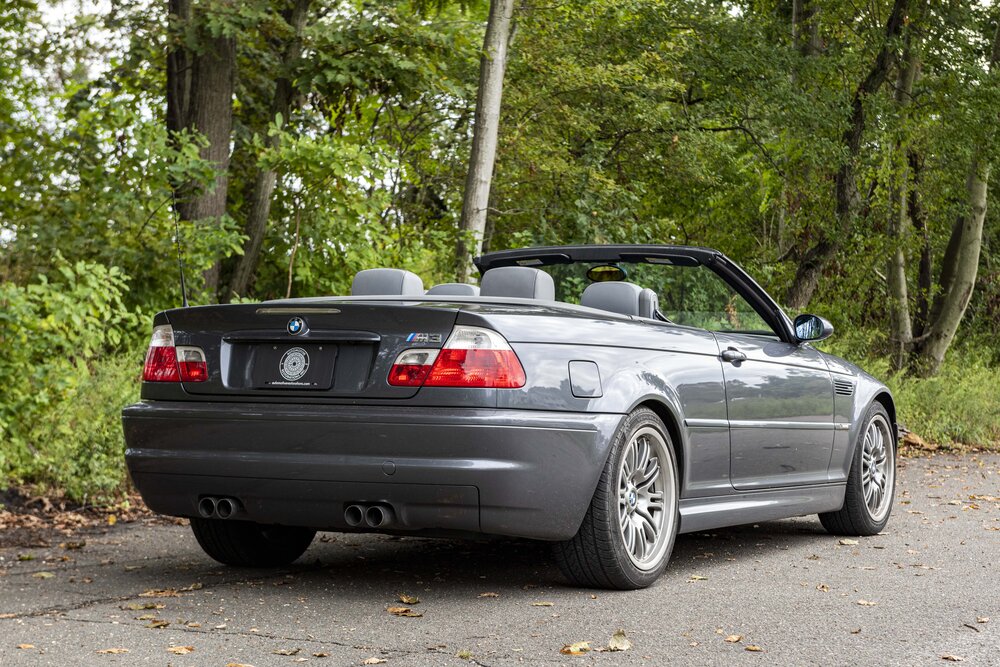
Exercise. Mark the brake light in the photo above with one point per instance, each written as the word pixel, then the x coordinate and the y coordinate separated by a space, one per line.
pixel 471 357
pixel 167 363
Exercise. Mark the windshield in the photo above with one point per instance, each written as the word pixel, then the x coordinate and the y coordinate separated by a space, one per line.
pixel 689 295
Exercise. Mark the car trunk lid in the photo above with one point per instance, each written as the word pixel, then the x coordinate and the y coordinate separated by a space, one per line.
pixel 335 350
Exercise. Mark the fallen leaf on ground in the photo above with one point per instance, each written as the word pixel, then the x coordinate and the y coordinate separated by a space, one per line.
pixel 373 661
pixel 824 588
pixel 579 648
pixel 952 658
pixel 404 611
pixel 140 606
pixel 867 603
pixel 464 654
pixel 25 647
pixel 619 642
pixel 847 543
pixel 159 593
pixel 542 604
pixel 489 594
pixel 193 587
pixel 157 624
pixel 856 631
pixel 286 651
pixel 321 655
pixel 698 577
pixel 24 558
pixel 73 545
pixel 112 519
pixel 13 615
pixel 237 664
pixel 43 575
pixel 753 648
pixel 983 619
pixel 732 639
pixel 408 599
pixel 112 651
pixel 181 650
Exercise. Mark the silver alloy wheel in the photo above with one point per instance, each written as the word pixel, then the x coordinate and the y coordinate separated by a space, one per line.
pixel 647 504
pixel 878 468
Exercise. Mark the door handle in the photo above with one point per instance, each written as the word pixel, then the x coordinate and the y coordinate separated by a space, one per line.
pixel 733 356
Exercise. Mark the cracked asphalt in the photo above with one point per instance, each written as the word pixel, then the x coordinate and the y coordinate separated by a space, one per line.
pixel 924 589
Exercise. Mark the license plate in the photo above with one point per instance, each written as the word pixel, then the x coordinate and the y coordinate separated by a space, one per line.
pixel 303 366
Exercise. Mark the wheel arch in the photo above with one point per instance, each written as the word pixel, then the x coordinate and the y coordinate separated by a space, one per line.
pixel 887 402
pixel 672 420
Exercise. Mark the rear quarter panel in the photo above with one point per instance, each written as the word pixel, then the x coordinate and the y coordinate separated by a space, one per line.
pixel 676 368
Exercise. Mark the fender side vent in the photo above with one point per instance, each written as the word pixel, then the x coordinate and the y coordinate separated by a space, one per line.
pixel 843 387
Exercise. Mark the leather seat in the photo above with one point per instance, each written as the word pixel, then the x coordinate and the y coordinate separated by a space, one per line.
pixel 621 297
pixel 455 289
pixel 519 282
pixel 386 282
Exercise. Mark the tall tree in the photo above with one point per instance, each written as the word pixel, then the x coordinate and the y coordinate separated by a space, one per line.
pixel 259 206
pixel 901 209
pixel 475 202
pixel 960 266
pixel 201 69
pixel 847 200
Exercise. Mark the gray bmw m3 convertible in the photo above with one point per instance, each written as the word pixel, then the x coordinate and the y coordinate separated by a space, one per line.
pixel 604 398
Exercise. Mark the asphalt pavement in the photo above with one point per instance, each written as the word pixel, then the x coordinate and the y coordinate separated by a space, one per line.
pixel 925 592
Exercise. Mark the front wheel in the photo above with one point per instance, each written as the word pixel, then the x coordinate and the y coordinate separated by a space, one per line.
pixel 249 544
pixel 628 533
pixel 871 484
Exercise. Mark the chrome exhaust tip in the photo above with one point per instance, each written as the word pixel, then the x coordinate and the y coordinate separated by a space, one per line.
pixel 354 515
pixel 226 507
pixel 378 516
pixel 207 507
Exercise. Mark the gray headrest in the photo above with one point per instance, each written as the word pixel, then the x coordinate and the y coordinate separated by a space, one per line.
pixel 456 289
pixel 377 282
pixel 621 297
pixel 520 282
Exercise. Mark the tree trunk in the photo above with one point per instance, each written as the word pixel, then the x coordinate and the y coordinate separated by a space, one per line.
pixel 816 258
pixel 805 31
pixel 961 262
pixel 475 202
pixel 900 326
pixel 200 97
pixel 265 179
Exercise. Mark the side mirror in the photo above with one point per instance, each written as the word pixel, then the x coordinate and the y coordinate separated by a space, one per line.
pixel 812 328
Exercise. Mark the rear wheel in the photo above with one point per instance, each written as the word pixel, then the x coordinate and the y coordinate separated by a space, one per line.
pixel 871 484
pixel 628 533
pixel 249 544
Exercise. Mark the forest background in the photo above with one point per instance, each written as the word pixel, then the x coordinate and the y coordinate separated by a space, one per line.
pixel 840 150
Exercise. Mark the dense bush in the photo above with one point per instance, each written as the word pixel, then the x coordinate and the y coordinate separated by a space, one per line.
pixel 958 406
pixel 66 371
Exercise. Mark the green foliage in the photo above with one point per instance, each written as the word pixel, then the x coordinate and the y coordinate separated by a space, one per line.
pixel 62 393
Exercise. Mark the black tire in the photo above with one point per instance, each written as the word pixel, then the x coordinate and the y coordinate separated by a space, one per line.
pixel 249 544
pixel 856 517
pixel 597 556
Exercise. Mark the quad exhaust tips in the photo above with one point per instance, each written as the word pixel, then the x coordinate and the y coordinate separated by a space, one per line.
pixel 210 507
pixel 369 516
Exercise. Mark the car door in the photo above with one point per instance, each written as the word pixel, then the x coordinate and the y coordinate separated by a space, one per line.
pixel 779 398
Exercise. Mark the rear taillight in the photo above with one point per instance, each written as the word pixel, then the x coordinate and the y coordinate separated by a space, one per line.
pixel 471 357
pixel 167 363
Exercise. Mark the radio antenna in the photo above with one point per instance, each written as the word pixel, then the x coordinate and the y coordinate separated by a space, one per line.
pixel 180 253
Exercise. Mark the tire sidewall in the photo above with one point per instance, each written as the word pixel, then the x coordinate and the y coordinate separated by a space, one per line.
pixel 639 419
pixel 855 484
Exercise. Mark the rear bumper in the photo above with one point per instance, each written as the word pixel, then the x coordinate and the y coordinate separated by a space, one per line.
pixel 502 472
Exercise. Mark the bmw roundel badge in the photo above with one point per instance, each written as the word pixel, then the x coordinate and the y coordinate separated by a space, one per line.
pixel 296 326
